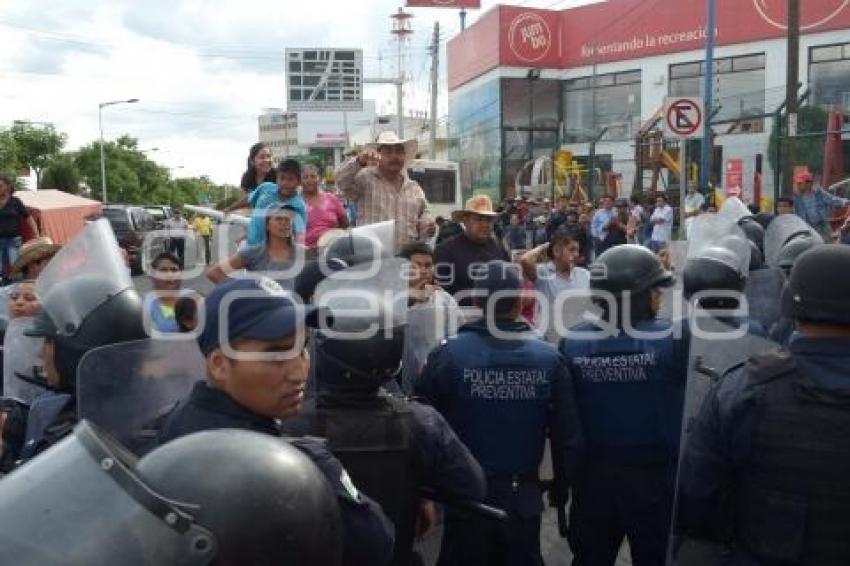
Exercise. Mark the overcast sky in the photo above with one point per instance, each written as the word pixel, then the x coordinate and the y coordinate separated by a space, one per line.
pixel 203 69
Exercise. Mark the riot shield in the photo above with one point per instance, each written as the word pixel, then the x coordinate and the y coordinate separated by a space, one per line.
pixel 427 326
pixel 764 295
pixel 711 233
pixel 22 361
pixel 716 347
pixel 82 502
pixel 127 389
pixel 783 229
pixel 734 209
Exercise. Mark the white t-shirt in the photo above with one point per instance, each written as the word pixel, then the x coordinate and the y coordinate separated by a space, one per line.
pixel 662 232
pixel 550 284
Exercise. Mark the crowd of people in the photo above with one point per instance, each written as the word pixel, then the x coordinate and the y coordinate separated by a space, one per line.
pixel 303 336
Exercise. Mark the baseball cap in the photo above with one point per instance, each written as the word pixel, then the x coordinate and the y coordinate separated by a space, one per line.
pixel 253 309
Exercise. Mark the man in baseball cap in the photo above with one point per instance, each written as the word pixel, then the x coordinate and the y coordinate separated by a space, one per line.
pixel 257 368
pixel 814 204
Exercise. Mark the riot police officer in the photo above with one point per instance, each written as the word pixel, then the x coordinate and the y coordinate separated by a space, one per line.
pixel 257 367
pixel 765 470
pixel 392 446
pixel 218 497
pixel 88 301
pixel 502 388
pixel 630 370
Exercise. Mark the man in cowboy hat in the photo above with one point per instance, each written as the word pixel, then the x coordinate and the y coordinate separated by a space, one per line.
pixel 34 256
pixel 456 259
pixel 384 191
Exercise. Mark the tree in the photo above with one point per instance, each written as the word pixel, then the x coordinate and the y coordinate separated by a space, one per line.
pixel 130 176
pixel 810 119
pixel 36 146
pixel 62 174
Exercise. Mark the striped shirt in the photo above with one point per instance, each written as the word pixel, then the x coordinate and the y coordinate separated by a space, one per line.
pixel 379 200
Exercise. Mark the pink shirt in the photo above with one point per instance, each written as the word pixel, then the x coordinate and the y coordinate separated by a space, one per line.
pixel 326 213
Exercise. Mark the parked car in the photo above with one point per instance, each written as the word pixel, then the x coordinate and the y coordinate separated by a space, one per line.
pixel 131 224
pixel 160 213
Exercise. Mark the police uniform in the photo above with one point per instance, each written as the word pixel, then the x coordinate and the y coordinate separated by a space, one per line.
pixel 501 395
pixel 775 429
pixel 630 395
pixel 368 538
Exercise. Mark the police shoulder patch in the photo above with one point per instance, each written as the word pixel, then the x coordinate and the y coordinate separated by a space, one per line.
pixel 350 488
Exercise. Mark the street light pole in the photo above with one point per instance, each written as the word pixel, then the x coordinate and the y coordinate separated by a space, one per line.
pixel 100 108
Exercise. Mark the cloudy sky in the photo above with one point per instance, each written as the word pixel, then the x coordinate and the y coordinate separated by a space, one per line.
pixel 203 69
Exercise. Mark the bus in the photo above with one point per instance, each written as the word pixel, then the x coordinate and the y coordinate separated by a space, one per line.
pixel 440 180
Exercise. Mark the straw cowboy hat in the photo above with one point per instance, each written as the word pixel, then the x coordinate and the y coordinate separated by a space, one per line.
pixel 480 205
pixel 411 146
pixel 33 251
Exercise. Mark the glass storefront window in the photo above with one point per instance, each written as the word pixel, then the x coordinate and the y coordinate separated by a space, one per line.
pixel 476 141
pixel 516 107
pixel 739 88
pixel 613 104
pixel 829 76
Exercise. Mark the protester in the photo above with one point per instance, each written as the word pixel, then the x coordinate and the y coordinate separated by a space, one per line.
pixel 21 354
pixel 34 256
pixel 276 256
pixel 324 210
pixel 166 284
pixel 601 222
pixel 12 213
pixel 515 235
pixel 784 205
pixel 286 192
pixel 177 228
pixel 423 289
pixel 458 257
pixel 202 225
pixel 539 236
pixel 813 205
pixel 260 170
pixel 385 192
pixel 694 201
pixel 662 224
pixel 558 275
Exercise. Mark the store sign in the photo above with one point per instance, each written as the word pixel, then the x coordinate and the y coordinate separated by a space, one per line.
pixel 734 177
pixel 443 3
pixel 596 33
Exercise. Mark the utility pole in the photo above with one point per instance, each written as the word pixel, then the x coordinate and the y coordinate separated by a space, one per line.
pixel 791 103
pixel 435 76
pixel 402 31
pixel 708 94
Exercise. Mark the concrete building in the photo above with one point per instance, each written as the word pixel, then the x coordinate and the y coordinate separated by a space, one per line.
pixel 605 69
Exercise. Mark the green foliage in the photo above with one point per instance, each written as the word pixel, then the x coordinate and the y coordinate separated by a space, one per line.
pixel 35 146
pixel 62 174
pixel 810 120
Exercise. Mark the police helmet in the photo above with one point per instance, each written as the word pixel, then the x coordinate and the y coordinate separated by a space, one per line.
pixel 628 268
pixel 756 257
pixel 793 249
pixel 713 271
pixel 817 288
pixel 753 230
pixel 263 500
pixel 354 249
pixel 83 313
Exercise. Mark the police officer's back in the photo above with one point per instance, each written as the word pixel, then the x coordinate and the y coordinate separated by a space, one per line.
pixel 501 387
pixel 256 378
pixel 765 468
pixel 629 381
pixel 391 446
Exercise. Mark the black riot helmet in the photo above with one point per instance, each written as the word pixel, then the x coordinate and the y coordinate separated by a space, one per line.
pixel 216 497
pixel 629 273
pixel 817 288
pixel 753 230
pixel 756 257
pixel 264 500
pixel 363 349
pixel 789 253
pixel 628 268
pixel 84 313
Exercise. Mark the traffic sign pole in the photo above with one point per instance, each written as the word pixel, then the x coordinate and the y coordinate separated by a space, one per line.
pixel 683 184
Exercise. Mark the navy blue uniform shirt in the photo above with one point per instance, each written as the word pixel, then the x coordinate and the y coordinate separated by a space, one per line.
pixel 368 533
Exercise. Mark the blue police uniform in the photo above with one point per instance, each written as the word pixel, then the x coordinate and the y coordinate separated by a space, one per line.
pixel 368 536
pixel 501 394
pixel 630 395
pixel 766 464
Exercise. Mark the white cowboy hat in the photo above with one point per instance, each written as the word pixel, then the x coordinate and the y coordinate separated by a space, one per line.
pixel 411 146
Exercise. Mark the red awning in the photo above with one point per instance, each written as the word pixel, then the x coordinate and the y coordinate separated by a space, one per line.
pixel 58 214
